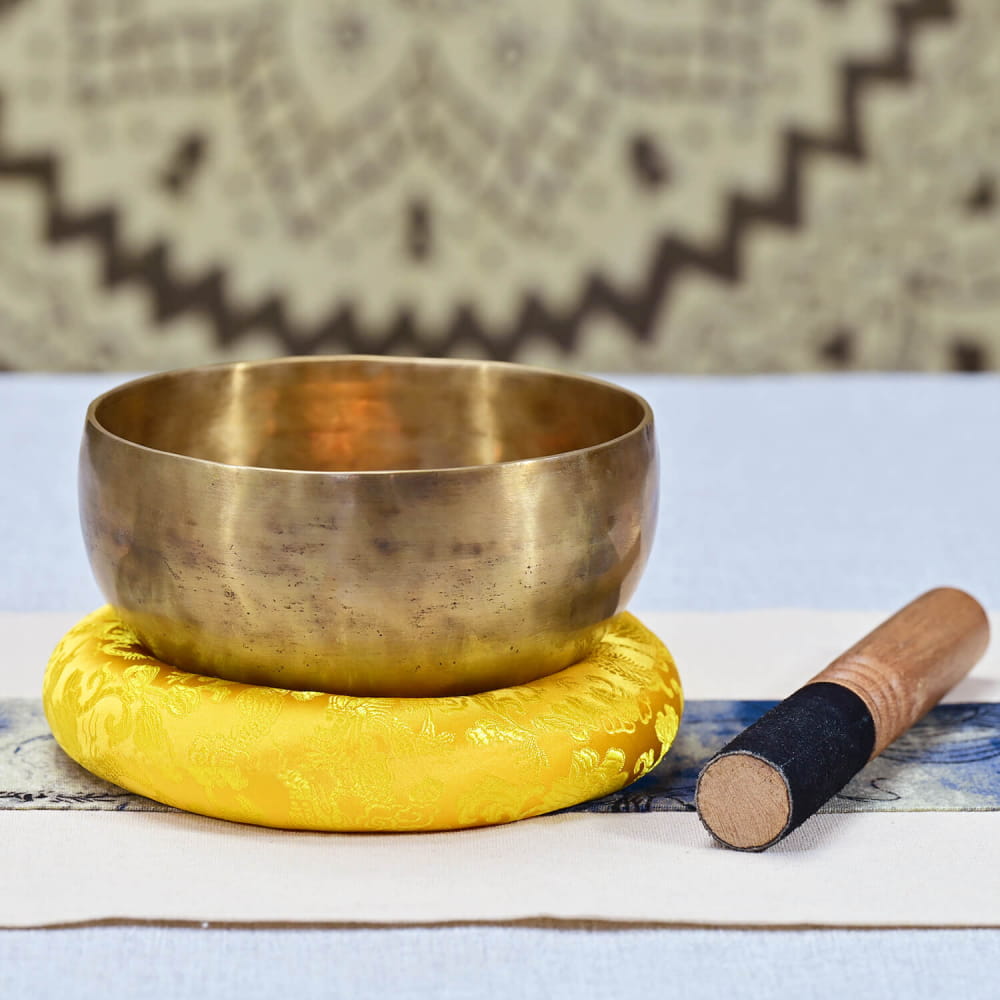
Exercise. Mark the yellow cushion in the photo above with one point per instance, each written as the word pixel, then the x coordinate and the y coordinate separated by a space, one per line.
pixel 311 761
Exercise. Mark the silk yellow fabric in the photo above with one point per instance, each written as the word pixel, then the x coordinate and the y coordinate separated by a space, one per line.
pixel 305 760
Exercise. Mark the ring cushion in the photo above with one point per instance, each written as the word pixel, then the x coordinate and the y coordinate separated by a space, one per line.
pixel 318 761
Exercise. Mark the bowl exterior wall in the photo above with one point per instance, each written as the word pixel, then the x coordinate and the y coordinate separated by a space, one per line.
pixel 419 583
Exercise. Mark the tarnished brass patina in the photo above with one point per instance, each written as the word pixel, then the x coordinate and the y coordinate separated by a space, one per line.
pixel 379 526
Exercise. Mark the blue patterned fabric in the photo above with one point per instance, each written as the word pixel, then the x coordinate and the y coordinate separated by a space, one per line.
pixel 948 761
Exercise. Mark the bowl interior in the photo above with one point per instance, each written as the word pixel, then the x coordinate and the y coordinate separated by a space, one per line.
pixel 362 414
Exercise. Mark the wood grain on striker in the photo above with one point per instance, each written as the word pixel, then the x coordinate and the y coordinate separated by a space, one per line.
pixel 780 770
pixel 903 668
pixel 720 793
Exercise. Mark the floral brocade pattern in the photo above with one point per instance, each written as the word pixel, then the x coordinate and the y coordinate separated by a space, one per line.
pixel 309 760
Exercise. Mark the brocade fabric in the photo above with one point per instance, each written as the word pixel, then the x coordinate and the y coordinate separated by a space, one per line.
pixel 319 761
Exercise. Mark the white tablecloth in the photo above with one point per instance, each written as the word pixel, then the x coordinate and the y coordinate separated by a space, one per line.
pixel 849 493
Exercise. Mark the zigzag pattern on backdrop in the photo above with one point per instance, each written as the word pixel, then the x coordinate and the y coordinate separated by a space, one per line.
pixel 638 311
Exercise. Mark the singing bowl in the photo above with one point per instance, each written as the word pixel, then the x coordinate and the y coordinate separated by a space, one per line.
pixel 369 526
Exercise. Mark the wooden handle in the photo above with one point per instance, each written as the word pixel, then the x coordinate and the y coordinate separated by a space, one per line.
pixel 903 668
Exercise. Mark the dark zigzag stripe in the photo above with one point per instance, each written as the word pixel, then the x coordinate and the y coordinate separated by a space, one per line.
pixel 172 296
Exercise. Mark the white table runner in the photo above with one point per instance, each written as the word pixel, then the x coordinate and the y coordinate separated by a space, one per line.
pixel 840 869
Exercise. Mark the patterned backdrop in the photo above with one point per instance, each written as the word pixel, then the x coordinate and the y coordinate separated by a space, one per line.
pixel 683 185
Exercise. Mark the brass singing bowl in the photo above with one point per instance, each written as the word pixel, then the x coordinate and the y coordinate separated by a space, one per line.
pixel 369 526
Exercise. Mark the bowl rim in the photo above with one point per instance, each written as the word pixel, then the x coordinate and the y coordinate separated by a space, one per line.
pixel 644 425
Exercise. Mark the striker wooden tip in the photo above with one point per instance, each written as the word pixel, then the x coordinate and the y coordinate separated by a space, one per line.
pixel 780 770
